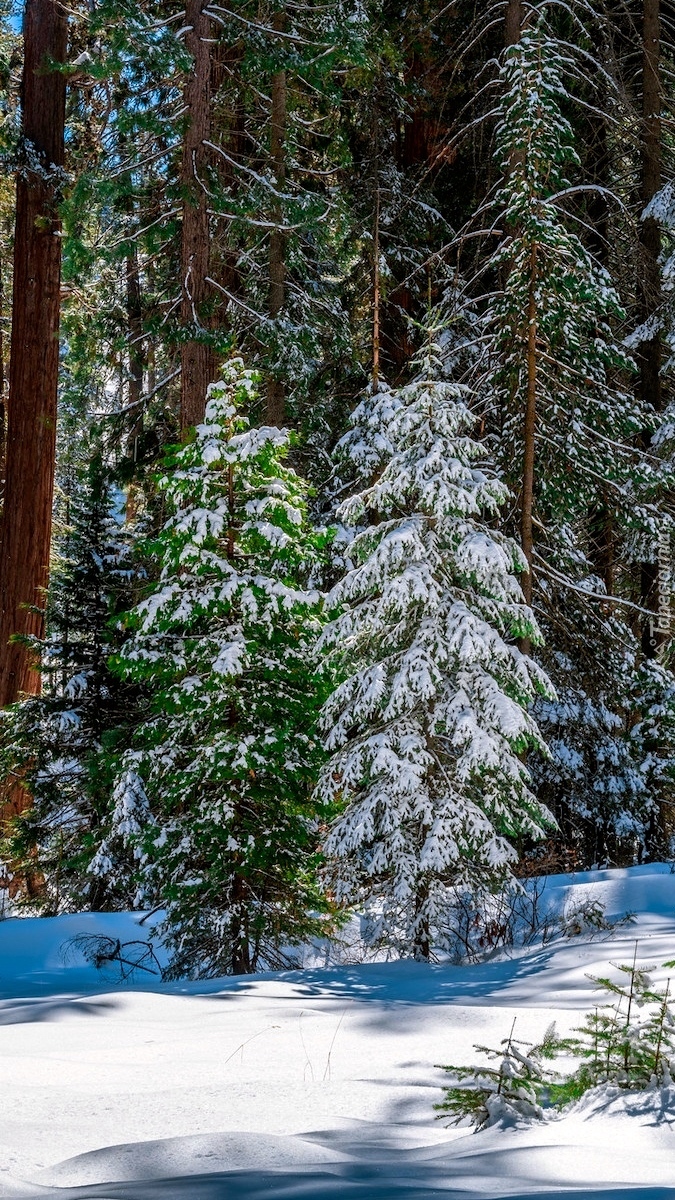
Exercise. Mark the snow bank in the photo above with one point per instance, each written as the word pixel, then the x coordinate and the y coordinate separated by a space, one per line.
pixel 314 1084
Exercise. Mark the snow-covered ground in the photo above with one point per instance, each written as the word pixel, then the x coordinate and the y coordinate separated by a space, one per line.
pixel 316 1084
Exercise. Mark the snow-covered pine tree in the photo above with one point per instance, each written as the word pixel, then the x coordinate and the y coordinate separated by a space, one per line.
pixel 570 437
pixel 595 779
pixel 224 642
pixel 57 745
pixel 569 430
pixel 427 730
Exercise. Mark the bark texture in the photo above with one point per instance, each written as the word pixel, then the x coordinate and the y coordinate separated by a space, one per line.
pixel 136 368
pixel 600 517
pixel 198 361
pixel 529 429
pixel 649 275
pixel 276 398
pixel 513 22
pixel 34 361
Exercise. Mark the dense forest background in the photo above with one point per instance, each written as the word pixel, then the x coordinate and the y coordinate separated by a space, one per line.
pixel 337 432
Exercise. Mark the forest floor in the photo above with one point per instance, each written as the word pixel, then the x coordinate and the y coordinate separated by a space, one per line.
pixel 314 1084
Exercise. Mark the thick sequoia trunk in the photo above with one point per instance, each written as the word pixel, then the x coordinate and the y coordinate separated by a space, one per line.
pixel 198 362
pixel 276 398
pixel 3 409
pixel 34 361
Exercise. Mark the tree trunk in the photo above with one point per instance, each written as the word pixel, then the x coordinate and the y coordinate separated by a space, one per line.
pixel 377 294
pixel 654 576
pixel 529 427
pixel 3 409
pixel 276 396
pixel 649 276
pixel 600 517
pixel 34 361
pixel 376 288
pixel 513 22
pixel 421 946
pixel 135 327
pixel 241 950
pixel 136 369
pixel 198 362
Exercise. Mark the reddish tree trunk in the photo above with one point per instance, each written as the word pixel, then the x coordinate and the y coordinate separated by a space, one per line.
pixel 198 362
pixel 34 361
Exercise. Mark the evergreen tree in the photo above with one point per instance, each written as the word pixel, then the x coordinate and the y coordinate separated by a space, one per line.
pixel 224 643
pixel 511 1090
pixel 596 780
pixel 57 745
pixel 566 420
pixel 570 435
pixel 628 1041
pixel 427 730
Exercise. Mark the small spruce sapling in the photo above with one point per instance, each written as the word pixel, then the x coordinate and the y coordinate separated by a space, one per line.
pixel 506 1092
pixel 626 1042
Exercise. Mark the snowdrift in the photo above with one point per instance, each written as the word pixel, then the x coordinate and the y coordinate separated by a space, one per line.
pixel 317 1083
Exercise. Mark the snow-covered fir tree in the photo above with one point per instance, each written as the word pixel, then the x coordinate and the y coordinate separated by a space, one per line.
pixel 558 358
pixel 570 440
pixel 57 745
pixel 224 643
pixel 595 780
pixel 428 728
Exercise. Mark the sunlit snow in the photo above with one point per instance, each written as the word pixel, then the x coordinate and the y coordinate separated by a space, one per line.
pixel 314 1084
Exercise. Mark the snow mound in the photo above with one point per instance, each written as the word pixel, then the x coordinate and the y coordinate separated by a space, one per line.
pixel 315 1084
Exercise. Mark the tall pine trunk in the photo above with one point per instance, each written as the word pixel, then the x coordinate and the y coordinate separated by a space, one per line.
pixel 649 275
pixel 198 362
pixel 512 34
pixel 529 430
pixel 134 301
pixel 513 22
pixel 34 361
pixel 600 517
pixel 650 352
pixel 276 398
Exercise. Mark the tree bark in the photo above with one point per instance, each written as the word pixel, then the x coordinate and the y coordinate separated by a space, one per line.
pixel 276 393
pixel 653 597
pixel 135 327
pixel 34 361
pixel 600 517
pixel 136 367
pixel 513 22
pixel 3 408
pixel 649 276
pixel 198 361
pixel 529 427
pixel 376 288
